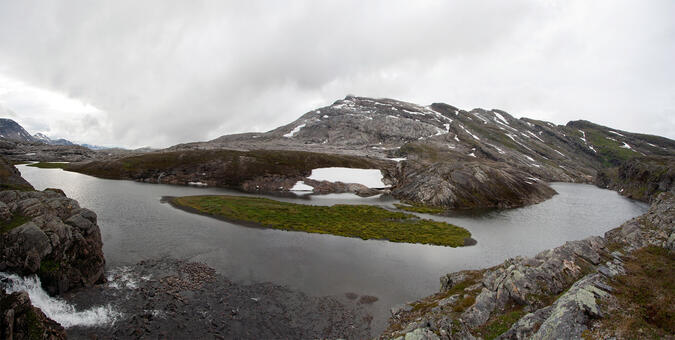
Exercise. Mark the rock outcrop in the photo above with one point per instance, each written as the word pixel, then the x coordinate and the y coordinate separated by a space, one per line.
pixel 19 320
pixel 555 294
pixel 640 178
pixel 468 184
pixel 251 171
pixel 48 234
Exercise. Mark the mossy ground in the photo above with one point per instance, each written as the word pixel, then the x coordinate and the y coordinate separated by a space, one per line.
pixel 419 208
pixel 231 167
pixel 424 306
pixel 364 221
pixel 49 266
pixel 645 297
pixel 49 165
pixel 15 221
pixel 500 324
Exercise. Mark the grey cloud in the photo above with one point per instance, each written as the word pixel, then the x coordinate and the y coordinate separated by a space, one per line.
pixel 169 72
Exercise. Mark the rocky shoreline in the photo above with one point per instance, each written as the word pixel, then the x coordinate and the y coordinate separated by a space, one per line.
pixel 560 293
pixel 43 233
pixel 175 299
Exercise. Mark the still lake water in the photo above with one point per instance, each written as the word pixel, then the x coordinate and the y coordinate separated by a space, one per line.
pixel 135 226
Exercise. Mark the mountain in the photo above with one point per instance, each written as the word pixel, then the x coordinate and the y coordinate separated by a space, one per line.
pixel 9 129
pixel 436 155
pixel 390 128
pixel 94 147
pixel 45 139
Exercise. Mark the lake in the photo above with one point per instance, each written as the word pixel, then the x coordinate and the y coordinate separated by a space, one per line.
pixel 135 226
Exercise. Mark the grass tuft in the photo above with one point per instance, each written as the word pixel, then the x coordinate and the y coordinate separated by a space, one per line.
pixel 15 221
pixel 419 208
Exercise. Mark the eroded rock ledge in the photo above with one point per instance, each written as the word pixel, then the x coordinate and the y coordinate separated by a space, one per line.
pixel 47 234
pixel 559 293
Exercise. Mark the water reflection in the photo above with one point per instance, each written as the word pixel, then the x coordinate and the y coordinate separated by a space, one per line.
pixel 135 225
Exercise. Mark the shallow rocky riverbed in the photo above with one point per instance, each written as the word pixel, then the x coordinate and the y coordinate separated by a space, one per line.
pixel 174 299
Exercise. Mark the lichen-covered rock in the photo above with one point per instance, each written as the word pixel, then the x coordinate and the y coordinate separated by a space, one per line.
pixel 555 294
pixel 462 184
pixel 571 312
pixel 420 334
pixel 19 320
pixel 60 241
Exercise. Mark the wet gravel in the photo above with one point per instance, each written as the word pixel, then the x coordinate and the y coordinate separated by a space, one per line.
pixel 174 299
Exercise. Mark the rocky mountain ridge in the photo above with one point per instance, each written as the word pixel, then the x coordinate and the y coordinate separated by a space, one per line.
pixel 9 129
pixel 440 155
pixel 41 137
pixel 436 155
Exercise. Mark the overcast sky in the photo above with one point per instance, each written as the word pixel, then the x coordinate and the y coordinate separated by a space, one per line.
pixel 157 73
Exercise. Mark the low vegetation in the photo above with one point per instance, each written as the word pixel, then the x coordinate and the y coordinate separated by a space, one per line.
pixel 16 221
pixel 500 324
pixel 49 165
pixel 645 306
pixel 364 221
pixel 225 168
pixel 422 209
pixel 419 309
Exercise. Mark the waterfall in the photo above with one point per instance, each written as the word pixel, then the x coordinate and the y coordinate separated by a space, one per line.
pixel 55 308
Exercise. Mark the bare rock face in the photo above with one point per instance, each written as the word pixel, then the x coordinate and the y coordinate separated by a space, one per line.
pixel 554 295
pixel 19 320
pixel 58 240
pixel 48 234
pixel 469 184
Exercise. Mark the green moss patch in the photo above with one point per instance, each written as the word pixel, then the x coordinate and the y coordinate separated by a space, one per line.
pixel 49 266
pixel 422 209
pixel 225 168
pixel 500 324
pixel 15 221
pixel 364 221
pixel 49 165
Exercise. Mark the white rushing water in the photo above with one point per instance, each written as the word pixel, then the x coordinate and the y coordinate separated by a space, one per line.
pixel 55 308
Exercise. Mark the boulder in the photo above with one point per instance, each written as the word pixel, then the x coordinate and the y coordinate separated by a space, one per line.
pixel 19 320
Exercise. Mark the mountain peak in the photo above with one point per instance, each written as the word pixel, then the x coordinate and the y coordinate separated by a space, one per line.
pixel 9 129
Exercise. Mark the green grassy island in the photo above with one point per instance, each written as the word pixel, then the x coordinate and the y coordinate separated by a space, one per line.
pixel 364 221
pixel 422 209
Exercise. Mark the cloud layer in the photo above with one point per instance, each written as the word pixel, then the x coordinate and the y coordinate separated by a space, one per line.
pixel 158 73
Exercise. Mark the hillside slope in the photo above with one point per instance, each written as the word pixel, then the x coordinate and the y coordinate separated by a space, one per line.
pixel 435 155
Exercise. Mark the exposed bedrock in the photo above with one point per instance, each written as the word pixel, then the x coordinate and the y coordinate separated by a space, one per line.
pixel 462 184
pixel 559 293
pixel 19 320
pixel 640 178
pixel 49 234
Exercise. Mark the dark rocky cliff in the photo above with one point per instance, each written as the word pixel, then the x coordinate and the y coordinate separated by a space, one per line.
pixel 641 178
pixel 49 235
